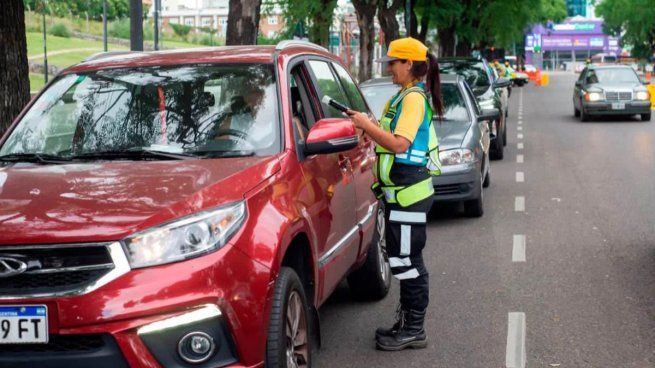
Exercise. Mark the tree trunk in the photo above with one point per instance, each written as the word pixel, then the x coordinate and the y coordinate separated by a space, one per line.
pixel 14 73
pixel 447 41
pixel 463 49
pixel 388 21
pixel 243 22
pixel 319 32
pixel 365 20
pixel 414 31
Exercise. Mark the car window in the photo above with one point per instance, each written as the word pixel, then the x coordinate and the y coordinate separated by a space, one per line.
pixel 349 85
pixel 474 101
pixel 591 77
pixel 474 73
pixel 328 86
pixel 583 75
pixel 378 95
pixel 178 109
pixel 302 112
pixel 454 106
pixel 617 75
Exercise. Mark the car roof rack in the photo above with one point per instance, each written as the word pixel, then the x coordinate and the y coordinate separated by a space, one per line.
pixel 288 43
pixel 102 55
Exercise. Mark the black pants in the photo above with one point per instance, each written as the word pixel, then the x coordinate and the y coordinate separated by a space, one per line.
pixel 405 237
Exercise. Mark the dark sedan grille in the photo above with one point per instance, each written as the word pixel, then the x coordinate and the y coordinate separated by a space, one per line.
pixel 618 96
pixel 58 344
pixel 53 269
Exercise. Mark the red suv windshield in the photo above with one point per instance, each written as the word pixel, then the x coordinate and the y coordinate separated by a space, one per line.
pixel 212 109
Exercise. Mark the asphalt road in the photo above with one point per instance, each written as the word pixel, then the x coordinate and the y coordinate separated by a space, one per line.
pixel 585 294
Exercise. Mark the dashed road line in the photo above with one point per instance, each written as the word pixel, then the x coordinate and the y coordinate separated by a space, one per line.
pixel 520 128
pixel 519 145
pixel 519 159
pixel 518 248
pixel 519 204
pixel 515 354
pixel 520 177
pixel 519 136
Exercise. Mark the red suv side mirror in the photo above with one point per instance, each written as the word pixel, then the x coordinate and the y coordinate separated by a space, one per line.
pixel 331 135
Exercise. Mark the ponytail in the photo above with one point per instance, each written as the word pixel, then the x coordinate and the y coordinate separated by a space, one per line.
pixel 434 84
pixel 430 70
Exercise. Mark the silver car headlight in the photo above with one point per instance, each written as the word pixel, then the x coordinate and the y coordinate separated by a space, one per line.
pixel 642 95
pixel 593 96
pixel 456 157
pixel 185 238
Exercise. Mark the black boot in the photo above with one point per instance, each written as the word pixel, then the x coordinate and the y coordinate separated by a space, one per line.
pixel 400 318
pixel 410 335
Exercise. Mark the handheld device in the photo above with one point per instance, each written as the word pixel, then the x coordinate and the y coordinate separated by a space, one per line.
pixel 334 103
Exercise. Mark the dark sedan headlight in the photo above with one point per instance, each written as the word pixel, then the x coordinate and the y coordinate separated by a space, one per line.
pixel 456 157
pixel 185 238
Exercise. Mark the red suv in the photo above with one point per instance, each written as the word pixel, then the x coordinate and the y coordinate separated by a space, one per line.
pixel 185 209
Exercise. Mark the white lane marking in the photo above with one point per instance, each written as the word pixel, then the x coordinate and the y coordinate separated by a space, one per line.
pixel 518 249
pixel 519 204
pixel 515 355
pixel 520 177
pixel 519 136
pixel 519 159
pixel 519 128
pixel 520 122
pixel 519 145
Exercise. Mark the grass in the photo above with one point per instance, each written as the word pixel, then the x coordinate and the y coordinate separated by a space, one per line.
pixel 36 82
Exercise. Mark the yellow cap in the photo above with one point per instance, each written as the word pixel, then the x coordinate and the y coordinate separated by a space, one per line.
pixel 405 49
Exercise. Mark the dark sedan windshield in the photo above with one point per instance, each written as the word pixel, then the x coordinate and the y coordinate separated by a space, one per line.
pixel 616 75
pixel 454 105
pixel 229 109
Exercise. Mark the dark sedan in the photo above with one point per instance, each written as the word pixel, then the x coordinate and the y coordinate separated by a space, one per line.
pixel 610 90
pixel 490 91
pixel 463 140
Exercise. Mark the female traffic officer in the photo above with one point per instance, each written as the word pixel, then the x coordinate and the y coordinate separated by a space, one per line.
pixel 407 155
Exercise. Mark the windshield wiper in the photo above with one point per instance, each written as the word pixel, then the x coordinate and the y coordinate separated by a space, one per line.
pixel 224 153
pixel 41 158
pixel 139 154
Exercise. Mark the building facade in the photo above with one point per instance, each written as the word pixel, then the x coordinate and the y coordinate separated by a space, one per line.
pixel 562 46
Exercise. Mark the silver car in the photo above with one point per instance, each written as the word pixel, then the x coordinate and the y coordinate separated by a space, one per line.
pixel 463 140
pixel 610 90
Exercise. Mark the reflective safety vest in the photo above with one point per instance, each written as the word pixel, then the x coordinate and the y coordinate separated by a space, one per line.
pixel 424 151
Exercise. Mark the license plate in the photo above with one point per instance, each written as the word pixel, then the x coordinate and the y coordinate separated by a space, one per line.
pixel 23 324
pixel 618 105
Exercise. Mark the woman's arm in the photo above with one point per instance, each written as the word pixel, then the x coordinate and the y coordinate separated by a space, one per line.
pixel 393 143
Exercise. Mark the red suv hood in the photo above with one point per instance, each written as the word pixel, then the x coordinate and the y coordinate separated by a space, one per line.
pixel 107 201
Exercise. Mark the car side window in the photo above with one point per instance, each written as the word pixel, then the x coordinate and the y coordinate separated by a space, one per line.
pixel 591 77
pixel 474 101
pixel 328 85
pixel 302 113
pixel 583 75
pixel 349 85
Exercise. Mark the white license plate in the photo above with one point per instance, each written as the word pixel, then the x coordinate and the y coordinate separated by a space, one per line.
pixel 618 105
pixel 23 324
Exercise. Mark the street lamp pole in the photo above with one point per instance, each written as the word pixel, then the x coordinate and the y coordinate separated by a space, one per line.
pixel 408 17
pixel 45 48
pixel 104 24
pixel 136 25
pixel 157 7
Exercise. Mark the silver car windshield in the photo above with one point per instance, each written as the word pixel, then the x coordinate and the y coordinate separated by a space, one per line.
pixel 454 105
pixel 616 75
pixel 178 110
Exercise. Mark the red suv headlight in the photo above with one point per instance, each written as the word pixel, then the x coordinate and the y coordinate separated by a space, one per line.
pixel 185 238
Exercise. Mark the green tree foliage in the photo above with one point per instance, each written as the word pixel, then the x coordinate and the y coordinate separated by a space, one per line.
pixel 181 29
pixel 313 15
pixel 80 8
pixel 633 20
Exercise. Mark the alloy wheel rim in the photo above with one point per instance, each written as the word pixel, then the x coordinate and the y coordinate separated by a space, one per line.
pixel 382 248
pixel 297 352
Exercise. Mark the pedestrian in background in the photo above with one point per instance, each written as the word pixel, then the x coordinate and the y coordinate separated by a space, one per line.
pixel 407 156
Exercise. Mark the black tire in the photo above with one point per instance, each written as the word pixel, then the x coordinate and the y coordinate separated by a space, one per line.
pixel 645 117
pixel 487 179
pixel 287 286
pixel 583 115
pixel 576 112
pixel 373 279
pixel 497 151
pixel 475 207
pixel 505 134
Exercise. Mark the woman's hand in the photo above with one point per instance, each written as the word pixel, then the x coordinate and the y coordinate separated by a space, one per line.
pixel 360 119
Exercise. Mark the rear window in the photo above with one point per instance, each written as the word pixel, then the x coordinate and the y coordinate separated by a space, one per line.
pixel 181 109
pixel 474 73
